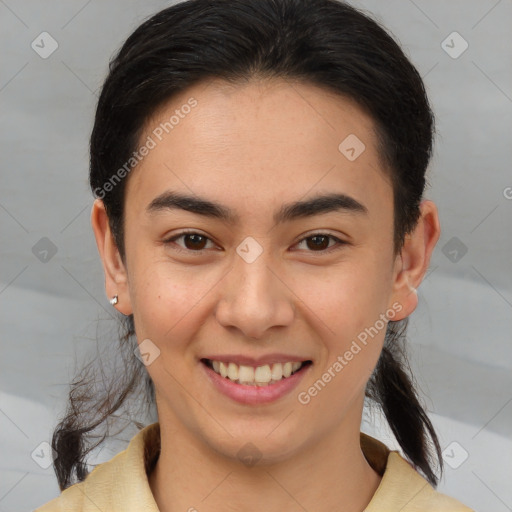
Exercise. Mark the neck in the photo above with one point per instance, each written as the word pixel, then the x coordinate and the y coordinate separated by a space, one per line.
pixel 330 474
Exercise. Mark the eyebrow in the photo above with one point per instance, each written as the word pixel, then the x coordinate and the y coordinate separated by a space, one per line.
pixel 171 200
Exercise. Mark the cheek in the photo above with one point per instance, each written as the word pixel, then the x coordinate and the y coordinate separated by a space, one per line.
pixel 347 297
pixel 348 309
pixel 166 299
pixel 352 310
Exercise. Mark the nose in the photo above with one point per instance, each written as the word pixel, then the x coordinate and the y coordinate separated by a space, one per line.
pixel 255 298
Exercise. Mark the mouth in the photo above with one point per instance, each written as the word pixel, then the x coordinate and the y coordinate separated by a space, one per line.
pixel 255 385
pixel 261 376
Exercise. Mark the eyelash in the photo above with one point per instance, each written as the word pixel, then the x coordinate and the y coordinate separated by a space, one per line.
pixel 201 251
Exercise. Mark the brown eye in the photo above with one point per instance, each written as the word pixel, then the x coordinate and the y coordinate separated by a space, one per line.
pixel 195 241
pixel 319 242
pixel 192 242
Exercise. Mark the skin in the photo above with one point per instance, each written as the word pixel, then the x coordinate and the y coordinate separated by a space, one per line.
pixel 254 147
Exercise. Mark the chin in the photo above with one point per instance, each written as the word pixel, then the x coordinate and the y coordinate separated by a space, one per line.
pixel 261 448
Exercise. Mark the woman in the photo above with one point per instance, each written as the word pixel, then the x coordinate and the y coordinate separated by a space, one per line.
pixel 259 170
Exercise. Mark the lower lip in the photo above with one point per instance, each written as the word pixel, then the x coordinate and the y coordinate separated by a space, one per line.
pixel 255 394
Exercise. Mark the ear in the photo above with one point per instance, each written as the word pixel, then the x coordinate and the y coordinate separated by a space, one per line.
pixel 116 278
pixel 413 261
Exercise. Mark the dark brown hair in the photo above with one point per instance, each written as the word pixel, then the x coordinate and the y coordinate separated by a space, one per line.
pixel 321 42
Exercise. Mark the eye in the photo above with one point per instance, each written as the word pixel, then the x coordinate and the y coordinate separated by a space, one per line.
pixel 196 242
pixel 193 241
pixel 320 242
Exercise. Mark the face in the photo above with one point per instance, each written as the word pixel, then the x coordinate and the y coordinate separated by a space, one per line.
pixel 269 273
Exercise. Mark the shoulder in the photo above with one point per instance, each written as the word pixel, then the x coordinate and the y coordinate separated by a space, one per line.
pixel 118 484
pixel 94 491
pixel 70 500
pixel 404 486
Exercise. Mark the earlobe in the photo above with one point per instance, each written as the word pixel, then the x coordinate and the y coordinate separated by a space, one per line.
pixel 116 279
pixel 413 261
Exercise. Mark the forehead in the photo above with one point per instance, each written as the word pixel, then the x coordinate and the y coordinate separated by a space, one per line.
pixel 265 139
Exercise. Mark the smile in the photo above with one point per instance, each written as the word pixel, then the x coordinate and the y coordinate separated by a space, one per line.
pixel 265 375
pixel 255 385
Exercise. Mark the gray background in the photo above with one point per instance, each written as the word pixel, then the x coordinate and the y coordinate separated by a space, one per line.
pixel 51 304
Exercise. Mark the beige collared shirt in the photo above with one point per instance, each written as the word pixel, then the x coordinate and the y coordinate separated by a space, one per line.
pixel 121 484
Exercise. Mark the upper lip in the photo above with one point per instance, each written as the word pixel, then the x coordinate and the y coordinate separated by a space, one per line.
pixel 240 359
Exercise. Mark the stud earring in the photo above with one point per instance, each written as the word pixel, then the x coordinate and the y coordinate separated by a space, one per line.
pixel 114 300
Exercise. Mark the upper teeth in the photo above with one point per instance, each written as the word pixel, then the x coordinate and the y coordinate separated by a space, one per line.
pixel 261 375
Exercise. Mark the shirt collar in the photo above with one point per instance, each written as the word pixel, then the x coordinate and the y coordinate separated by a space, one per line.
pixel 122 483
